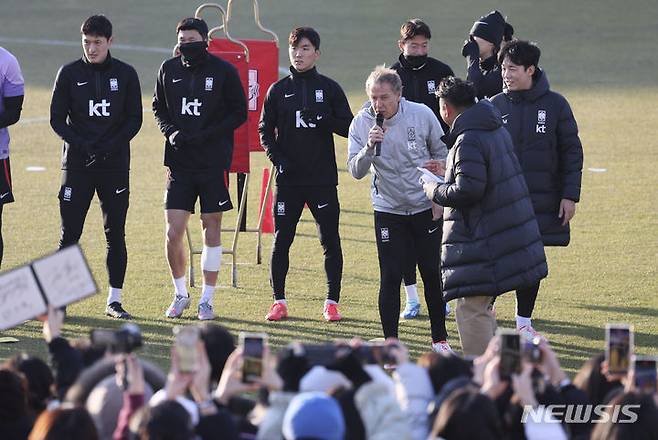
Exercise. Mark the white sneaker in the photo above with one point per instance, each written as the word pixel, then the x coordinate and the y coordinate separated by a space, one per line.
pixel 177 306
pixel 528 333
pixel 205 312
pixel 442 347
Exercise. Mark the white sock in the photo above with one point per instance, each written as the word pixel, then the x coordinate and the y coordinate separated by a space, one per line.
pixel 280 301
pixel 180 284
pixel 114 295
pixel 523 322
pixel 412 293
pixel 329 301
pixel 207 293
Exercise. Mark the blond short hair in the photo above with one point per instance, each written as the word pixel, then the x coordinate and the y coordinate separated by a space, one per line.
pixel 383 74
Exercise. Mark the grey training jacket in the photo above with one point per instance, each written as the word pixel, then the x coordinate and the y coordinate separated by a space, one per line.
pixel 412 137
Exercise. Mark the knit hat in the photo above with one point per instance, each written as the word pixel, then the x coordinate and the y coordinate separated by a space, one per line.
pixel 313 415
pixel 492 27
pixel 193 23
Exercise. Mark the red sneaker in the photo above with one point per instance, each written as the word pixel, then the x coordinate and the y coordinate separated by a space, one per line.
pixel 331 312
pixel 277 312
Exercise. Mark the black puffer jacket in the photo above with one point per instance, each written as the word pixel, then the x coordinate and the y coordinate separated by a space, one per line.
pixel 545 136
pixel 491 243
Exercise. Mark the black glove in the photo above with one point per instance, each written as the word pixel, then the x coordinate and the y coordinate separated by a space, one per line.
pixel 313 117
pixel 470 49
pixel 349 364
pixel 179 140
pixel 291 369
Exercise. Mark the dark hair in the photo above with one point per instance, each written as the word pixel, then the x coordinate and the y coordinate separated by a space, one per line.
pixel 457 92
pixel 414 27
pixel 97 25
pixel 193 24
pixel 590 380
pixel 219 345
pixel 468 415
pixel 39 377
pixel 645 427
pixel 508 32
pixel 13 395
pixel 168 420
pixel 522 53
pixel 64 424
pixel 304 32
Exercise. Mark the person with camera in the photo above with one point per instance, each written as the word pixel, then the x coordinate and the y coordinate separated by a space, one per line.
pixel 197 104
pixel 96 108
pixel 544 133
pixel 12 91
pixel 300 115
pixel 481 50
pixel 491 242
pixel 409 137
pixel 420 74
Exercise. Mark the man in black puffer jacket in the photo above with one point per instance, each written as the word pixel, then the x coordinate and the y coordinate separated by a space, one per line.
pixel 491 242
pixel 545 136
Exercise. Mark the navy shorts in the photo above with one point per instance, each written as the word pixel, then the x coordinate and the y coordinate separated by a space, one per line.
pixel 184 187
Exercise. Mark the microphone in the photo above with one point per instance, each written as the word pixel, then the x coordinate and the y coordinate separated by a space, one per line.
pixel 380 124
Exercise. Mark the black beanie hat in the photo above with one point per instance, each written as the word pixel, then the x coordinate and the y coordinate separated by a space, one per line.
pixel 492 27
pixel 193 23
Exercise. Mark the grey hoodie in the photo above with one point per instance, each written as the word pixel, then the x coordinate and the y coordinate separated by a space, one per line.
pixel 413 136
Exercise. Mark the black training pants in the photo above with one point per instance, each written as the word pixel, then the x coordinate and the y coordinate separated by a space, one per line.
pixel 75 194
pixel 401 239
pixel 288 205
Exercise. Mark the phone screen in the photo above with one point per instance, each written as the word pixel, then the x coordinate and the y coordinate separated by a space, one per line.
pixel 187 337
pixel 510 354
pixel 645 375
pixel 252 354
pixel 619 347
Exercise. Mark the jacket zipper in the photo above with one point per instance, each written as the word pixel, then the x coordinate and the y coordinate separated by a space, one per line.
pixel 98 85
pixel 304 94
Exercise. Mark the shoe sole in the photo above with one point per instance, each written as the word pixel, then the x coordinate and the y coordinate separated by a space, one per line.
pixel 340 318
pixel 179 315
pixel 127 316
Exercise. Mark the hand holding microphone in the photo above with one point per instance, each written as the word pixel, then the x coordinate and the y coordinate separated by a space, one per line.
pixel 376 135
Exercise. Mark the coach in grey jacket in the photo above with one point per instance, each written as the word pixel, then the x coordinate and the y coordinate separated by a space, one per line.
pixel 491 241
pixel 404 229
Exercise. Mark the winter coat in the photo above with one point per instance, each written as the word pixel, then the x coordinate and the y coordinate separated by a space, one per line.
pixel 545 136
pixel 413 136
pixel 491 243
pixel 485 76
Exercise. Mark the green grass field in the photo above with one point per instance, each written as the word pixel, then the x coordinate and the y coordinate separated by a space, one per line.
pixel 596 54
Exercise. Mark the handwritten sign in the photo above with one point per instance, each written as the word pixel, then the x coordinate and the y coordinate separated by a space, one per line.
pixel 64 276
pixel 20 297
pixel 58 279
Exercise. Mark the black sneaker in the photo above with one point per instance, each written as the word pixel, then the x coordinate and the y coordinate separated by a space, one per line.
pixel 116 311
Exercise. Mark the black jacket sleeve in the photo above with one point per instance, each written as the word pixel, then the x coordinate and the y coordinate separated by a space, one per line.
pixel 12 110
pixel 159 106
pixel 133 117
pixel 470 171
pixel 67 364
pixel 570 153
pixel 341 114
pixel 267 128
pixel 236 108
pixel 59 110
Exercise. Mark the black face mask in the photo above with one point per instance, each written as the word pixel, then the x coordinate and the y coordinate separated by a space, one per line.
pixel 415 61
pixel 193 53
